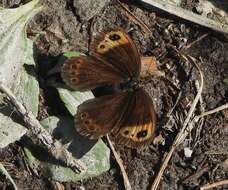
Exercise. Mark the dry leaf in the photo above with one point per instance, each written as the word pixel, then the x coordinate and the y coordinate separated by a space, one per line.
pixel 149 67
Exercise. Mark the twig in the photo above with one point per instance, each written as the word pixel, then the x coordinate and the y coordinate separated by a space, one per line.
pixel 202 170
pixel 132 17
pixel 4 172
pixel 196 175
pixel 216 184
pixel 175 104
pixel 217 152
pixel 127 184
pixel 220 108
pixel 187 15
pixel 194 42
pixel 201 108
pixel 45 140
pixel 183 132
pixel 187 127
pixel 203 167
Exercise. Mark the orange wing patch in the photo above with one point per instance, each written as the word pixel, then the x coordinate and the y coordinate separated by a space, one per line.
pixel 139 126
pixel 112 40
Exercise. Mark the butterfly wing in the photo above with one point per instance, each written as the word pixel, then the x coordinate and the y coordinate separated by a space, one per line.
pixel 114 58
pixel 130 116
pixel 99 116
pixel 138 127
pixel 117 48
pixel 86 73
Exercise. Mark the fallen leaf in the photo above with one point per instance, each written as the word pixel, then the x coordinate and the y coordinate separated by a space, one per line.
pixel 149 67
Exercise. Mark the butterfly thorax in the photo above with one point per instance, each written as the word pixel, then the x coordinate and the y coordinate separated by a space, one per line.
pixel 130 84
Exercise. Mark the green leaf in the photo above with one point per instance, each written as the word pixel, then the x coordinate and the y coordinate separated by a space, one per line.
pixel 73 99
pixel 225 81
pixel 26 89
pixel 17 66
pixel 94 154
pixel 15 48
pixel 4 172
pixel 69 54
pixel 9 131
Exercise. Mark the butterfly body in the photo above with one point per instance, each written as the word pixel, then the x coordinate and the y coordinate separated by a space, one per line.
pixel 129 85
pixel 128 113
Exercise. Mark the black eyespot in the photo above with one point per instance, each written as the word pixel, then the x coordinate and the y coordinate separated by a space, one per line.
pixel 102 46
pixel 83 115
pixel 141 134
pixel 86 122
pixel 74 66
pixel 126 132
pixel 114 37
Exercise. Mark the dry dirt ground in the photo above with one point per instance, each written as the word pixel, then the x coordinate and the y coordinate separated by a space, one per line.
pixel 59 28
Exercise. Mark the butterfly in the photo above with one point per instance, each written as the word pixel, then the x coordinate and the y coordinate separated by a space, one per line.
pixel 128 114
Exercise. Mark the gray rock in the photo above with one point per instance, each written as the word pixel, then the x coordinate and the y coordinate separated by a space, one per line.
pixel 87 9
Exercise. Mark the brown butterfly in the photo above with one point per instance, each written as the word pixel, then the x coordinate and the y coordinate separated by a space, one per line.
pixel 127 114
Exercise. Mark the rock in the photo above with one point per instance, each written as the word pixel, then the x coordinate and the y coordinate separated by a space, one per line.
pixel 87 9
pixel 188 152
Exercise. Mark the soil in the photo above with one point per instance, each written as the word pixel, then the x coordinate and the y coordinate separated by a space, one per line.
pixel 59 28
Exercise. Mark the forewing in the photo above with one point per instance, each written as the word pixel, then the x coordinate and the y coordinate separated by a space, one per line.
pixel 99 116
pixel 86 73
pixel 138 125
pixel 117 48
